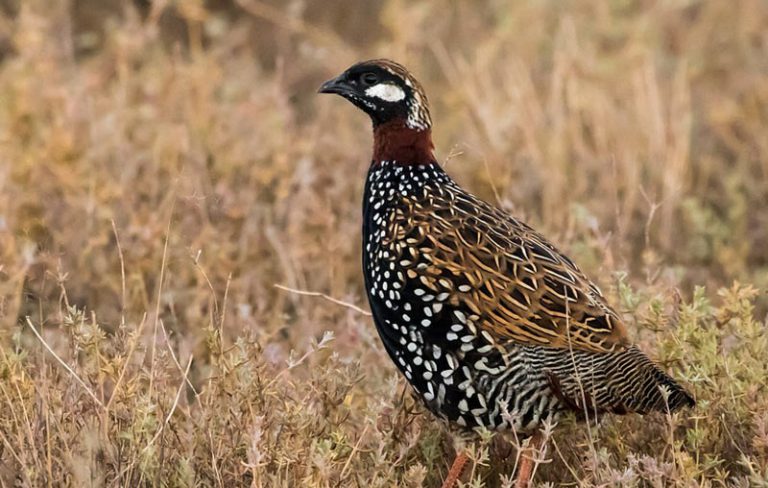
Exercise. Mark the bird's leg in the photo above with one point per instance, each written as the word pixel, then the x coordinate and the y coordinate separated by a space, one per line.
pixel 459 462
pixel 525 471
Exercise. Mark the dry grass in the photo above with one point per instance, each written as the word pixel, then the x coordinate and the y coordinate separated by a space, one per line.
pixel 164 167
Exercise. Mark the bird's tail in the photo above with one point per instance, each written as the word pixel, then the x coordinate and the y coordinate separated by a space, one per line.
pixel 643 386
pixel 622 382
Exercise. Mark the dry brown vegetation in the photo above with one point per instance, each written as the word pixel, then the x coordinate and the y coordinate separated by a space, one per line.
pixel 166 164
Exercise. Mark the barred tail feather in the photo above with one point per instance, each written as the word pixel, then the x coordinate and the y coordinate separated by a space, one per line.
pixel 643 387
pixel 620 383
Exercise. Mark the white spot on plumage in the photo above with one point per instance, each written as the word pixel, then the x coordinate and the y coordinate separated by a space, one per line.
pixel 484 349
pixel 451 361
pixel 487 336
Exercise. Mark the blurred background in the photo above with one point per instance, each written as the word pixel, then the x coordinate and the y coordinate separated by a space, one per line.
pixel 169 162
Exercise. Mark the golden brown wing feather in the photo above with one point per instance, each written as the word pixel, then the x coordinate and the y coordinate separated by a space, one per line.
pixel 516 284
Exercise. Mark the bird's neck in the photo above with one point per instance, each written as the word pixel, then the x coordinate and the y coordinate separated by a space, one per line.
pixel 395 141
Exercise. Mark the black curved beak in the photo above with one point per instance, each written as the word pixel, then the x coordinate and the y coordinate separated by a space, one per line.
pixel 336 85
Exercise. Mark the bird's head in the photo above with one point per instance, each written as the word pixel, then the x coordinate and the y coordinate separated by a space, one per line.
pixel 384 90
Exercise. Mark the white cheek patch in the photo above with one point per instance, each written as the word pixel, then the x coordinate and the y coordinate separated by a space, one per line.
pixel 386 91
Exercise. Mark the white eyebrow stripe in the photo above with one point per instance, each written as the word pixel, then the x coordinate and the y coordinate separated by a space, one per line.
pixel 389 92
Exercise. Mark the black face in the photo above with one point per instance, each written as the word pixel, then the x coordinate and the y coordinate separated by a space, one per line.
pixel 376 89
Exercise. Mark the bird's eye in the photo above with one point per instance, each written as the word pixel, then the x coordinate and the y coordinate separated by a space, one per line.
pixel 369 79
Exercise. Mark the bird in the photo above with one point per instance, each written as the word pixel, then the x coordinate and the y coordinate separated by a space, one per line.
pixel 493 327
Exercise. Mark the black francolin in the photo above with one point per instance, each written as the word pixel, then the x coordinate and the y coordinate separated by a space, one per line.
pixel 489 322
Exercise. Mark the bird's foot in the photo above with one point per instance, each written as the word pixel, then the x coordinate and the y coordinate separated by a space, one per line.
pixel 527 463
pixel 459 463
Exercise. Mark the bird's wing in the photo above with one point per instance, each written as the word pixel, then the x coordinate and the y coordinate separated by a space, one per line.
pixel 506 279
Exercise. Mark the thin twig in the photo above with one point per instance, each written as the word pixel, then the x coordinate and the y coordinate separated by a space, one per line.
pixel 539 453
pixel 122 274
pixel 196 262
pixel 654 207
pixel 577 374
pixel 495 190
pixel 160 430
pixel 567 466
pixel 10 448
pixel 134 343
pixel 352 454
pixel 66 366
pixel 175 359
pixel 323 295
pixel 157 305
pixel 293 363
pixel 223 313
